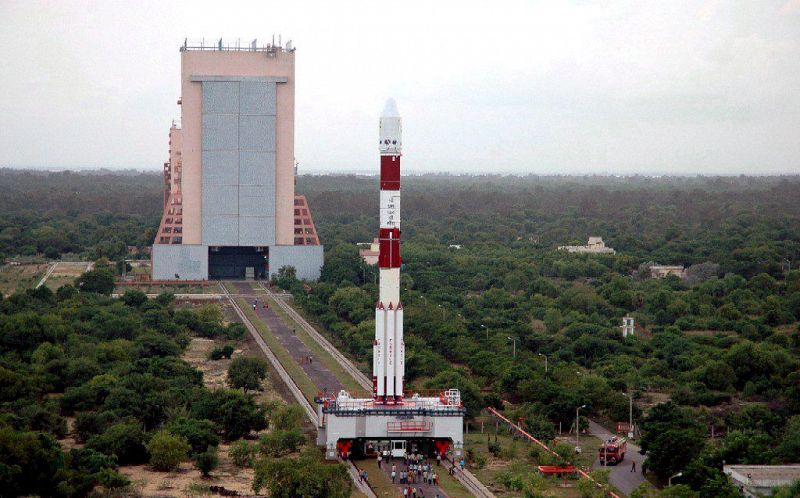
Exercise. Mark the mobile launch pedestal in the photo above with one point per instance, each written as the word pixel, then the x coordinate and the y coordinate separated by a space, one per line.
pixel 391 419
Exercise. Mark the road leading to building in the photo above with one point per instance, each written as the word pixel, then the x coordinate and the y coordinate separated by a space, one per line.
pixel 621 476
pixel 323 378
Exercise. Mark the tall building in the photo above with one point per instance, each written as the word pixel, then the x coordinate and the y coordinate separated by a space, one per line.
pixel 230 208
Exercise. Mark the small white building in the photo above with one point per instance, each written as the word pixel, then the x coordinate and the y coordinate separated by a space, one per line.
pixel 759 480
pixel 594 246
pixel 371 253
pixel 628 328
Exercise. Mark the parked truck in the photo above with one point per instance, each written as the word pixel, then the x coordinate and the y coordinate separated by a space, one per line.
pixel 612 451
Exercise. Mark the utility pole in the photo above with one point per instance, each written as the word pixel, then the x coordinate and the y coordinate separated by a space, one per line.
pixel 514 341
pixel 487 331
pixel 629 395
pixel 578 426
pixel 545 362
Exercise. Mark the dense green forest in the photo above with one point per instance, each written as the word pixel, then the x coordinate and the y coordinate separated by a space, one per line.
pixel 722 344
pixel 114 367
pixel 88 215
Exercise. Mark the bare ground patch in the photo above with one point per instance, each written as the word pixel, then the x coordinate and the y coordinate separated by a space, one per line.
pixel 150 483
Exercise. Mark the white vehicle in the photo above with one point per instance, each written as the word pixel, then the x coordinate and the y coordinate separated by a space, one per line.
pixel 398 448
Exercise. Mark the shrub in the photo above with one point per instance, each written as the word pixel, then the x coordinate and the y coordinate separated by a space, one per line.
pixel 243 453
pixel 207 461
pixel 200 434
pixel 278 443
pixel 125 440
pixel 225 351
pixel 247 373
pixel 167 451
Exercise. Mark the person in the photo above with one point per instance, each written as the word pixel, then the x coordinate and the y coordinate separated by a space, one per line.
pixel 462 464
pixel 254 306
pixel 438 459
pixel 633 466
pixel 394 475
pixel 405 491
pixel 414 492
pixel 366 476
pixel 380 458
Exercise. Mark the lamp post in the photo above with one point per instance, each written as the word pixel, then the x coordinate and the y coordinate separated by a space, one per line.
pixel 441 308
pixel 669 481
pixel 513 340
pixel 487 331
pixel 630 413
pixel 578 426
pixel 545 361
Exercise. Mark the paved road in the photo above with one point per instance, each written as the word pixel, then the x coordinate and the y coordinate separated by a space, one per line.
pixel 423 490
pixel 323 378
pixel 621 476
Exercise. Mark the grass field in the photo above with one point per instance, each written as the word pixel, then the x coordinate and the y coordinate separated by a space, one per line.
pixel 212 288
pixel 16 277
pixel 303 381
pixel 65 273
pixel 515 462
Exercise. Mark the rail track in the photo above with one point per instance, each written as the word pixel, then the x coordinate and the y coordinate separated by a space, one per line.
pixel 310 413
pixel 466 478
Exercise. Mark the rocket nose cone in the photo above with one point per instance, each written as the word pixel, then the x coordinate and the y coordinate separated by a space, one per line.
pixel 390 109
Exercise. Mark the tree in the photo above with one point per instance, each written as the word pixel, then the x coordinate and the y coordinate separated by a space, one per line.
pixel 672 437
pixel 287 417
pixel 552 320
pixel 200 434
pixel 789 448
pixel 247 373
pixel 305 476
pixel 134 298
pixel 99 280
pixel 207 461
pixel 29 463
pixel 234 411
pixel 285 278
pixel 243 453
pixel 167 451
pixel 124 440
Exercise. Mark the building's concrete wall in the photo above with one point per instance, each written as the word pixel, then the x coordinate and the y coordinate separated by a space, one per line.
pixel 256 104
pixel 189 262
pixel 307 260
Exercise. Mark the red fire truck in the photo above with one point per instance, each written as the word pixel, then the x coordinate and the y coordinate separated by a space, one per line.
pixel 612 451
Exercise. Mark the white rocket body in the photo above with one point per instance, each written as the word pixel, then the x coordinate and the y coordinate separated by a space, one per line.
pixel 388 362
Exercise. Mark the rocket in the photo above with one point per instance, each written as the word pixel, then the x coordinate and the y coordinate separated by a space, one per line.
pixel 388 351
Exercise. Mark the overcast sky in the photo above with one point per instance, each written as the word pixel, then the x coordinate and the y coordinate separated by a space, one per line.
pixel 681 87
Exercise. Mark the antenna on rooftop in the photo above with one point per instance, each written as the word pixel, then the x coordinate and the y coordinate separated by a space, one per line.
pixel 253 44
pixel 289 46
pixel 220 44
pixel 279 40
